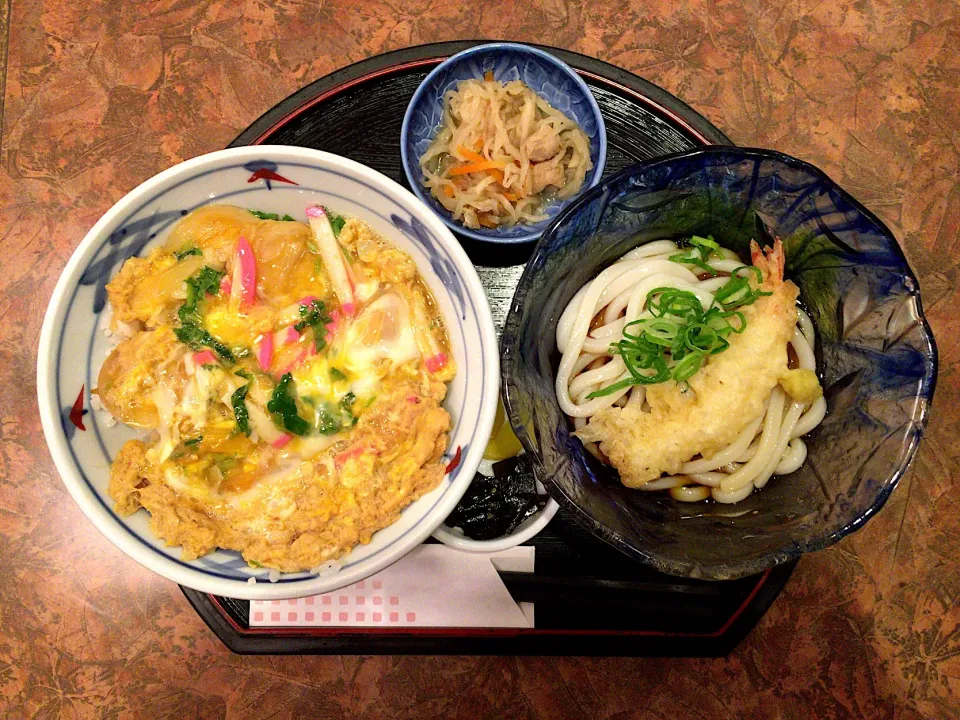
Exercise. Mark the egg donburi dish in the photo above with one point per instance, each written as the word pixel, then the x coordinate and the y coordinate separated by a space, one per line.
pixel 288 378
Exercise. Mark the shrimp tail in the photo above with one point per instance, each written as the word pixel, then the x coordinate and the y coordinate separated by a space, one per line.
pixel 771 261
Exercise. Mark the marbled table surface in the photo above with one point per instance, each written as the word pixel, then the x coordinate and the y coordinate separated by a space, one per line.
pixel 98 96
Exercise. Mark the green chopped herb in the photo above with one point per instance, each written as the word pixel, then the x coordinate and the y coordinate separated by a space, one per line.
pixel 254 563
pixel 225 463
pixel 193 441
pixel 204 282
pixel 187 252
pixel 240 372
pixel 331 419
pixel 701 250
pixel 346 405
pixel 240 412
pixel 191 331
pixel 283 406
pixel 336 374
pixel 676 341
pixel 328 419
pixel 314 316
pixel 270 216
pixel 197 337
pixel 336 221
pixel 370 401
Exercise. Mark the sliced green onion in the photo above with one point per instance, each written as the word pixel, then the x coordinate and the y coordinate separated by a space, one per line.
pixel 674 342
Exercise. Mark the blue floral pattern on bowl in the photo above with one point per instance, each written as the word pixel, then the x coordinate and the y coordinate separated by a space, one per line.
pixel 552 79
pixel 278 179
pixel 876 356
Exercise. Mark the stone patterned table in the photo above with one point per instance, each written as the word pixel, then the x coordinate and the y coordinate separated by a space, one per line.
pixel 98 96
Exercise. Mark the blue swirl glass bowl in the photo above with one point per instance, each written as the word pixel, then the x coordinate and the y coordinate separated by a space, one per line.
pixel 552 79
pixel 875 355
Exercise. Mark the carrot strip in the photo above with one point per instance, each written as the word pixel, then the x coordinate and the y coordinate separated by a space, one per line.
pixel 477 167
pixel 448 191
pixel 470 154
pixel 488 75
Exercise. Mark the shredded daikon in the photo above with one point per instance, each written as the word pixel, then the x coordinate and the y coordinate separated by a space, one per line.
pixel 503 154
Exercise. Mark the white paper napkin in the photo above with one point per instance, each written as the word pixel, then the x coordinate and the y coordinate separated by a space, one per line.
pixel 432 586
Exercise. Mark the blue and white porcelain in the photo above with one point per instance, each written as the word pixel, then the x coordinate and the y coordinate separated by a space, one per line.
pixel 272 179
pixel 555 81
pixel 876 357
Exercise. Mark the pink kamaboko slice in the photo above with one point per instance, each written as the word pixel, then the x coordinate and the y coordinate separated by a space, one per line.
pixel 333 259
pixel 265 351
pixel 243 286
pixel 434 358
pixel 204 357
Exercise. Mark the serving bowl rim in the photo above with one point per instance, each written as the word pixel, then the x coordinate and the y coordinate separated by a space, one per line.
pixel 115 528
pixel 596 174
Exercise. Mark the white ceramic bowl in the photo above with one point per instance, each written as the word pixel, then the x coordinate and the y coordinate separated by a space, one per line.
pixel 530 527
pixel 272 179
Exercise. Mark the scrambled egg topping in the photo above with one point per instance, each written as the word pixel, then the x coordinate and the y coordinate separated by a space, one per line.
pixel 291 377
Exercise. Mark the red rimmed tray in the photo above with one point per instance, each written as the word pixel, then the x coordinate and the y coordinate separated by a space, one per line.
pixel 589 598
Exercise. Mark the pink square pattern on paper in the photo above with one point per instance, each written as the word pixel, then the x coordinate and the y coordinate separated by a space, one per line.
pixel 377 584
pixel 309 600
pixel 411 617
pixel 275 617
pixel 325 617
pixel 360 599
pixel 394 600
pixel 360 617
pixel 394 617
pixel 378 600
pixel 326 600
pixel 344 616
pixel 291 617
pixel 377 617
pixel 344 599
pixel 361 585
pixel 258 616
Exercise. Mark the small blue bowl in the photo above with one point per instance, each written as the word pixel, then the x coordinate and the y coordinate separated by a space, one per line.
pixel 553 80
pixel 875 355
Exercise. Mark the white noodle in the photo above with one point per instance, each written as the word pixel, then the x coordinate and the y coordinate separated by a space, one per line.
pixel 596 316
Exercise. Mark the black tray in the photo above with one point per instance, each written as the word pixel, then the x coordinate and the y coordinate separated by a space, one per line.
pixel 590 599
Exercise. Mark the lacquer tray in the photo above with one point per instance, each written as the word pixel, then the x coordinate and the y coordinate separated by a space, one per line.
pixel 590 599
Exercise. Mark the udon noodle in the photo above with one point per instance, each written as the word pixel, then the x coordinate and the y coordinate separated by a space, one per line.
pixel 771 444
pixel 502 154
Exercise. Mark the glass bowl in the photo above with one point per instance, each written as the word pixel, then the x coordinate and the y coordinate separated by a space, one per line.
pixel 875 355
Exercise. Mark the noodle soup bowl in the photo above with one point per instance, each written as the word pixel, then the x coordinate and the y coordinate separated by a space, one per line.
pixel 83 441
pixel 874 354
pixel 553 80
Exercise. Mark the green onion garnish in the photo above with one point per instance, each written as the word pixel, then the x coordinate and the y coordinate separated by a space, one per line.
pixel 674 344
pixel 701 250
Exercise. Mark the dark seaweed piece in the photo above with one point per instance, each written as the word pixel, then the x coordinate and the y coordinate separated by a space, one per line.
pixel 495 506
